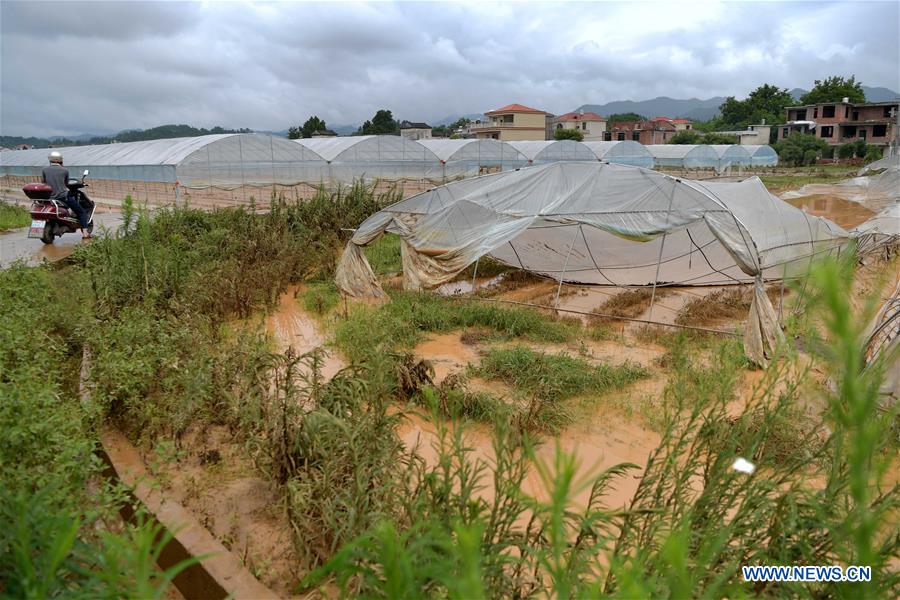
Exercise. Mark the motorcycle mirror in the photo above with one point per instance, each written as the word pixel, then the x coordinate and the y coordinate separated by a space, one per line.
pixel 86 172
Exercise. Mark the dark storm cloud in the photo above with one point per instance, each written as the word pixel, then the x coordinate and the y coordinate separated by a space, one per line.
pixel 266 66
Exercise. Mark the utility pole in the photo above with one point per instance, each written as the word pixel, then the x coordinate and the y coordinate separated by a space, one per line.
pixel 894 146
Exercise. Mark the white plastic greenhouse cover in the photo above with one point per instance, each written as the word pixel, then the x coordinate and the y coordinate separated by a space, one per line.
pixel 625 152
pixel 226 160
pixel 542 151
pixel 471 157
pixel 762 155
pixel 599 223
pixel 375 157
pixel 686 156
pixel 731 154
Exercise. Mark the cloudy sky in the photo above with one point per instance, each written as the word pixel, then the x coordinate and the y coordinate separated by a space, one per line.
pixel 76 67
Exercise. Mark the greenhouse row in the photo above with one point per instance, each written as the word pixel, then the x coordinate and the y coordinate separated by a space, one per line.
pixel 233 168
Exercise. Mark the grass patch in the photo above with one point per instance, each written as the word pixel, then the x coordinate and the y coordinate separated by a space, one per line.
pixel 404 321
pixel 554 376
pixel 631 303
pixel 384 254
pixel 731 303
pixel 320 298
pixel 13 216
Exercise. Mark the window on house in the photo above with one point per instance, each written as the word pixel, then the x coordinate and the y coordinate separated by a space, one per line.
pixel 850 132
pixel 635 136
pixel 828 112
pixel 621 136
pixel 879 131
pixel 887 111
pixel 784 132
pixel 856 115
pixel 607 136
pixel 846 112
pixel 688 127
pixel 584 126
pixel 862 134
pixel 826 132
pixel 559 125
pixel 815 112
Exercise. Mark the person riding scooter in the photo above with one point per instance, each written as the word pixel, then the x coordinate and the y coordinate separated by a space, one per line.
pixel 56 176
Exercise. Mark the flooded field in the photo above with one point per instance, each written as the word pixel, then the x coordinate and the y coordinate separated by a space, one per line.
pixel 846 213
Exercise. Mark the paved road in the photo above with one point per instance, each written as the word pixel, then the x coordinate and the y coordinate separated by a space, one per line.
pixel 15 243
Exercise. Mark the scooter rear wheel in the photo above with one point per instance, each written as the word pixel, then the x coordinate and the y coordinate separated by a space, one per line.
pixel 49 233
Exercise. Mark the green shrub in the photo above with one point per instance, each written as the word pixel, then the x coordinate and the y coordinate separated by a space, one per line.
pixel 13 216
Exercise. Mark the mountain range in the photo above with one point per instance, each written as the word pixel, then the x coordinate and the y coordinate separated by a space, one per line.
pixel 701 110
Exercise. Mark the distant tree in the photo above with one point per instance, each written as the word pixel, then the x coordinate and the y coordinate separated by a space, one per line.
pixel 568 134
pixel 834 89
pixel 714 137
pixel 800 149
pixel 312 125
pixel 765 102
pixel 873 153
pixel 857 148
pixel 687 136
pixel 624 118
pixel 450 129
pixel 383 123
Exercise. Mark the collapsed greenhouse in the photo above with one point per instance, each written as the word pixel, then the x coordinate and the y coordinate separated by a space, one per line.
pixel 603 224
pixel 545 151
pixel 471 157
pixel 684 156
pixel 623 153
pixel 206 170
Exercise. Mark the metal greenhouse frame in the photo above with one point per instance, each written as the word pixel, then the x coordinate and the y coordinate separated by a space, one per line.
pixel 471 157
pixel 684 156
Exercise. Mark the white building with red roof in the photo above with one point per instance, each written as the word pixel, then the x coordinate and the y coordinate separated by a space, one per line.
pixel 591 125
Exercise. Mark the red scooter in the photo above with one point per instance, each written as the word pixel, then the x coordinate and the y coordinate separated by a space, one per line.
pixel 51 218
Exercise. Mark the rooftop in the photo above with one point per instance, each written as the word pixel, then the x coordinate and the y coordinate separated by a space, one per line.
pixel 515 108
pixel 412 125
pixel 574 116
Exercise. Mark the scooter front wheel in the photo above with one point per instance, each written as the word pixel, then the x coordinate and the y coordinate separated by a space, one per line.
pixel 49 233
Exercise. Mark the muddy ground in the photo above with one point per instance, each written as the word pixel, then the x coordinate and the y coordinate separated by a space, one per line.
pixel 213 478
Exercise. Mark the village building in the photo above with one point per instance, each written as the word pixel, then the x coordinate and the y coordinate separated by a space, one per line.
pixel 658 130
pixel 591 125
pixel 514 122
pixel 843 122
pixel 415 131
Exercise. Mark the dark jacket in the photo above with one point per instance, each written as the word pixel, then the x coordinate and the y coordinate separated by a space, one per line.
pixel 56 176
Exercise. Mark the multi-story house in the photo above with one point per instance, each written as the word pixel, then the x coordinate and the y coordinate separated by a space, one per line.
pixel 658 130
pixel 843 122
pixel 591 125
pixel 512 122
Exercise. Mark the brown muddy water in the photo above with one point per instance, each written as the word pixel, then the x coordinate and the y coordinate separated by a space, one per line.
pixel 293 327
pixel 846 213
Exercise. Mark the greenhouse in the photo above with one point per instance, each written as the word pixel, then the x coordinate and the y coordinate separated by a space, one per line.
pixel 684 156
pixel 471 157
pixel 212 169
pixel 598 223
pixel 622 153
pixel 762 156
pixel 544 151
pixel 388 158
pixel 731 155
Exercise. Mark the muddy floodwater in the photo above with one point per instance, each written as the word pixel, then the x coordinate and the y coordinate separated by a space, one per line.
pixel 16 245
pixel 846 213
